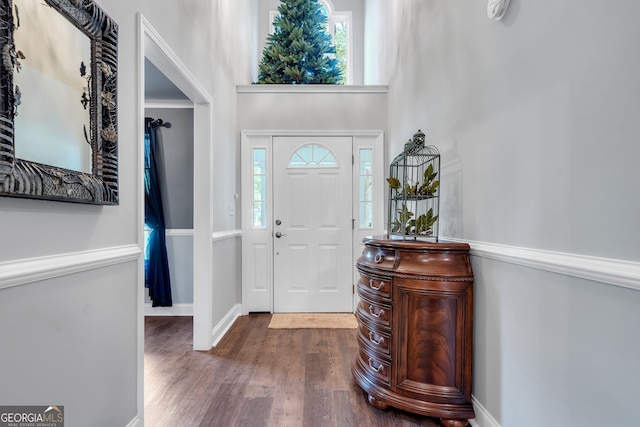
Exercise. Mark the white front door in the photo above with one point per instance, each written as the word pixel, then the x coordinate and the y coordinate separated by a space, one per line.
pixel 312 231
pixel 259 245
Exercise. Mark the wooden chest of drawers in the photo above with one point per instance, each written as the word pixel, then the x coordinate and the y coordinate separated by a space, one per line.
pixel 415 328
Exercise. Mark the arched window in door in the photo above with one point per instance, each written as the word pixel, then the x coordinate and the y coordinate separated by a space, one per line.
pixel 313 156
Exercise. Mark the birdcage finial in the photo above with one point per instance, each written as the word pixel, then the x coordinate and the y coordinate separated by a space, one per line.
pixel 415 144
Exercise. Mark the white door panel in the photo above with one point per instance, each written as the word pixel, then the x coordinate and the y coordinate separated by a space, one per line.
pixel 312 258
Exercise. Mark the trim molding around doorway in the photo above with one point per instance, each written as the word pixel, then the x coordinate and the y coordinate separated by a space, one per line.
pixel 152 47
pixel 160 54
pixel 257 244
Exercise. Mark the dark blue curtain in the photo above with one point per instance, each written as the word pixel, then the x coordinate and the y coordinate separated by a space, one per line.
pixel 156 274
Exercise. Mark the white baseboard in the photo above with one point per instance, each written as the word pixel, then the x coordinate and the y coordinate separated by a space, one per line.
pixel 136 422
pixel 176 310
pixel 223 326
pixel 483 417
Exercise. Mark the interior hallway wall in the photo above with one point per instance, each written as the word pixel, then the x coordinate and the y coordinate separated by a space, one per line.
pixel 72 339
pixel 536 120
pixel 324 109
pixel 175 147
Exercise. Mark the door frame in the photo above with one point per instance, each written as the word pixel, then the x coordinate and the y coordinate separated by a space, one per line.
pixel 257 243
pixel 153 47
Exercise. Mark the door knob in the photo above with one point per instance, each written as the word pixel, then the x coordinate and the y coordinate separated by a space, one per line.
pixel 279 234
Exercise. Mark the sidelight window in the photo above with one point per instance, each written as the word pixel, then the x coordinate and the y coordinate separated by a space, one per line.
pixel 259 188
pixel 366 187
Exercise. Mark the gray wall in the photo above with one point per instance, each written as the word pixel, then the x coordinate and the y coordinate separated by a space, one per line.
pixel 340 110
pixel 180 257
pixel 175 169
pixel 536 120
pixel 74 339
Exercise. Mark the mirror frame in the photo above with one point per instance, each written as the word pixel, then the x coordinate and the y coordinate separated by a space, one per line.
pixel 26 179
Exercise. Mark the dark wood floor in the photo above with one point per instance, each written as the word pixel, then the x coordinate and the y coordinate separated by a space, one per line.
pixel 257 377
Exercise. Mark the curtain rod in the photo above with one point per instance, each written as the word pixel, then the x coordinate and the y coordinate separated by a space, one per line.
pixel 157 123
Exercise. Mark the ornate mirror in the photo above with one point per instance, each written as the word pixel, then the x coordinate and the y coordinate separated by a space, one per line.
pixel 58 112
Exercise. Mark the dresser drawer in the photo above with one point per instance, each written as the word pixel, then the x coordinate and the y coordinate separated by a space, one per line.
pixel 379 258
pixel 374 313
pixel 377 340
pixel 376 367
pixel 376 288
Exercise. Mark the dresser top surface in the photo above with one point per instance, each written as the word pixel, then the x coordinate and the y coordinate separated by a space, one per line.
pixel 414 244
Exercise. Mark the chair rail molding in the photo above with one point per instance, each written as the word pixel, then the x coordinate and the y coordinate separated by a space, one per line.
pixel 605 270
pixel 24 271
pixel 179 232
pixel 224 235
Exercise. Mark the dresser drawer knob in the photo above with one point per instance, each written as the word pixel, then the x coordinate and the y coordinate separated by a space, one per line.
pixel 378 369
pixel 378 258
pixel 380 286
pixel 378 314
pixel 380 341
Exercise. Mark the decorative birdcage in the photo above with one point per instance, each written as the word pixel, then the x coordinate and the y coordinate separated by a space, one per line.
pixel 414 191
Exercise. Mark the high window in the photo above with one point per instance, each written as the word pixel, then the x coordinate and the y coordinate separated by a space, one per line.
pixel 339 27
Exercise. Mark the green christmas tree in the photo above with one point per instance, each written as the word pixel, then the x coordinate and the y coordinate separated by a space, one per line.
pixel 298 51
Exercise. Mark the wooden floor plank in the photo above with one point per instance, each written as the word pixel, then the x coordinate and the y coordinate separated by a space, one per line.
pixel 257 377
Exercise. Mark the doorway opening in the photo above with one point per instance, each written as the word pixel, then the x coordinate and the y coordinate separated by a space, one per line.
pixel 170 114
pixel 152 48
pixel 332 184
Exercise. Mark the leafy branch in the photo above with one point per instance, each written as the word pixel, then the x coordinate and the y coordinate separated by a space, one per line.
pixel 427 189
pixel 406 225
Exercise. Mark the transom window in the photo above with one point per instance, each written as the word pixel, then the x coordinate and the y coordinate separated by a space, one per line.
pixel 312 156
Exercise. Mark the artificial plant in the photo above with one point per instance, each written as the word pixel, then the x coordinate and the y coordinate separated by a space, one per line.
pixel 300 50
